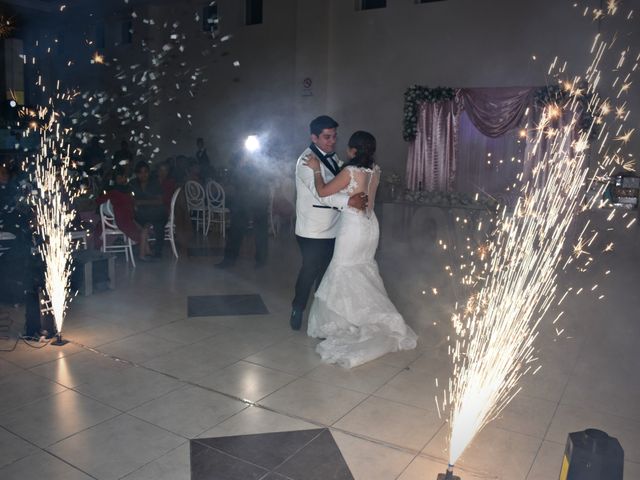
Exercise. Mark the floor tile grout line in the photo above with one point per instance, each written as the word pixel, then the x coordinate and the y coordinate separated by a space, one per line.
pixel 399 372
pixel 40 449
pixel 557 407
pixel 321 431
pixel 249 403
pixel 419 454
pixel 155 459
pixel 2 427
pixel 119 412
pixel 227 454
pixel 39 399
pixel 301 448
pixel 70 464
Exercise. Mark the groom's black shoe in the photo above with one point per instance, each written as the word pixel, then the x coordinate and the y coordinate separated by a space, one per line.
pixel 296 319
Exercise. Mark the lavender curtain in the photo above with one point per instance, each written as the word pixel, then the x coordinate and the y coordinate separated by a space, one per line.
pixel 431 162
pixel 434 154
pixel 539 144
pixel 485 164
pixel 495 111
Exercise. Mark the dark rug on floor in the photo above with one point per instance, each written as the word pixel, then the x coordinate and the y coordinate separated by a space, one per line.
pixel 219 305
pixel 300 455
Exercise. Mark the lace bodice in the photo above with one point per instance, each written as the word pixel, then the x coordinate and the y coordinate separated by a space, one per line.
pixel 364 180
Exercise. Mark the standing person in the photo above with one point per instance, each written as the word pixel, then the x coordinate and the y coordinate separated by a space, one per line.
pixel 351 310
pixel 123 157
pixel 93 157
pixel 248 202
pixel 203 159
pixel 317 218
pixel 167 184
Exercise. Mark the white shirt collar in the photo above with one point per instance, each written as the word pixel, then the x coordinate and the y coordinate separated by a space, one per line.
pixel 321 151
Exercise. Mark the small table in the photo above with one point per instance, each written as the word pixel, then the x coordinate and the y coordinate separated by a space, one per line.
pixel 86 261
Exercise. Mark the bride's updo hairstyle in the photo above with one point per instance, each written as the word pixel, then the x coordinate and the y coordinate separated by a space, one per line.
pixel 365 145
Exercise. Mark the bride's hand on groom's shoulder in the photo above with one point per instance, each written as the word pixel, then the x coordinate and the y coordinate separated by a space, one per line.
pixel 312 162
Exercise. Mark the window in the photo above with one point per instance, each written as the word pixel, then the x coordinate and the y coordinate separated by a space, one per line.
pixel 370 4
pixel 253 12
pixel 210 18
pixel 126 32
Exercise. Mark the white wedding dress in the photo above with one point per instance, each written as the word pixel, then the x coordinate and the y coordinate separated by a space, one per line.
pixel 351 309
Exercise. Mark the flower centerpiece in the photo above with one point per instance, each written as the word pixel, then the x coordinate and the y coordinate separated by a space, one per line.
pixel 393 182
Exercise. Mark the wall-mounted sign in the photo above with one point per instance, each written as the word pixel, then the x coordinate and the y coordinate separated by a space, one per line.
pixel 306 87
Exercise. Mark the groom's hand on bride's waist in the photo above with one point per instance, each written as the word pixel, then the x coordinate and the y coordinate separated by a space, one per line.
pixel 359 201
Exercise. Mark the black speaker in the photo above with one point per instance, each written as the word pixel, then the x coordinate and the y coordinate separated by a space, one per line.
pixel 592 455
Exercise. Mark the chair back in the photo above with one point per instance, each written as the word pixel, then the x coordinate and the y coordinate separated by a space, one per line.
pixel 195 195
pixel 215 194
pixel 172 209
pixel 107 217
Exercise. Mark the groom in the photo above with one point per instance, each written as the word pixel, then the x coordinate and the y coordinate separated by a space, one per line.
pixel 317 218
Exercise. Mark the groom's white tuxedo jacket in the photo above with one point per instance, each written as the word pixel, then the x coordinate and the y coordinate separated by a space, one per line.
pixel 316 217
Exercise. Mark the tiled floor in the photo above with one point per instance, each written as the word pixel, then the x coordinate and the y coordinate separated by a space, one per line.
pixel 142 381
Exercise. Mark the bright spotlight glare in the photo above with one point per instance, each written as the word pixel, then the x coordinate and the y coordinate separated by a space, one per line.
pixel 252 144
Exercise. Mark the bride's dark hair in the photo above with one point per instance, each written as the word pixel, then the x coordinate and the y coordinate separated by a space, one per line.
pixel 365 145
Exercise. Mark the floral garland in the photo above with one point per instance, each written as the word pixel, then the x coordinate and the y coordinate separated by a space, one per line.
pixel 556 94
pixel 416 95
pixel 543 96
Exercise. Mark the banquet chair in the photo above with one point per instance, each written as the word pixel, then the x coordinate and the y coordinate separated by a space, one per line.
pixel 5 236
pixel 216 211
pixel 278 214
pixel 79 237
pixel 170 227
pixel 110 229
pixel 197 205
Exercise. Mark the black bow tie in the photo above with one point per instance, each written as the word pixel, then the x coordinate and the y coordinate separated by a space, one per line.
pixel 326 159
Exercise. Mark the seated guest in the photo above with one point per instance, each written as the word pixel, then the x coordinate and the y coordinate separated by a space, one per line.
pixel 149 205
pixel 123 203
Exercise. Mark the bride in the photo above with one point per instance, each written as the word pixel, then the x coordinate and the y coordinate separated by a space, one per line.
pixel 351 310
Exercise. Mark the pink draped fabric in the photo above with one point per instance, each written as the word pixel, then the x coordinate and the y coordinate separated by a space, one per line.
pixel 539 145
pixel 431 163
pixel 485 164
pixel 433 155
pixel 495 111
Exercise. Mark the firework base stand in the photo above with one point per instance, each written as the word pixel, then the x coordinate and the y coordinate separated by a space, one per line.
pixel 443 476
pixel 93 271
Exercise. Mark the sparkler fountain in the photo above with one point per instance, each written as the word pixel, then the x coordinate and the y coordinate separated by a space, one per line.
pixel 52 199
pixel 494 339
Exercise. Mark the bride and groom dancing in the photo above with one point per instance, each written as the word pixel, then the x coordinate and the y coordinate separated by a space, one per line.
pixel 337 232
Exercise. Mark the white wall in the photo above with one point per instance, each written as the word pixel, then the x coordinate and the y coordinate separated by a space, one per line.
pixel 255 97
pixel 360 63
pixel 377 54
